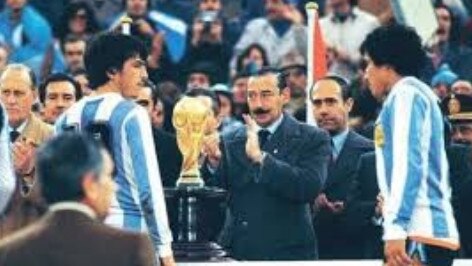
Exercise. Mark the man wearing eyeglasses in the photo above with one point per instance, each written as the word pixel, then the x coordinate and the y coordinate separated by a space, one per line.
pixel 331 106
pixel 273 168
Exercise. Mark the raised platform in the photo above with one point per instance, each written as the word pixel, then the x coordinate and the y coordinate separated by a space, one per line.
pixel 309 263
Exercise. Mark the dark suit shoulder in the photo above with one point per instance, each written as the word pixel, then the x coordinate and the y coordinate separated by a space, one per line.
pixel 356 140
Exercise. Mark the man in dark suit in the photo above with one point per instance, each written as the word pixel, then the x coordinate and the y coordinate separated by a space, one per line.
pixel 273 168
pixel 363 209
pixel 331 107
pixel 167 151
pixel 79 187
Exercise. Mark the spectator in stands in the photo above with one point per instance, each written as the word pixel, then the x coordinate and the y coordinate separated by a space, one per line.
pixel 442 81
pixel 57 93
pixel 4 54
pixel 344 29
pixel 212 37
pixel 78 20
pixel 105 11
pixel 148 24
pixel 294 66
pixel 163 35
pixel 252 59
pixel 225 96
pixel 73 49
pixel 80 75
pixel 446 46
pixel 201 75
pixel 26 33
pixel 282 29
pixel 462 86
pixel 459 107
pixel 167 151
pixel 239 89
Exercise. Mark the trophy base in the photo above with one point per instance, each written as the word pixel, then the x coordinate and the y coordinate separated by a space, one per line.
pixel 190 181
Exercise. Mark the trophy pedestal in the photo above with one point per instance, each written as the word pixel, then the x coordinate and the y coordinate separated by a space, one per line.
pixel 196 216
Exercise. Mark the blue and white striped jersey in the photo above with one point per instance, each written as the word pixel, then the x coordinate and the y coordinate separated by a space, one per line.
pixel 412 167
pixel 139 204
pixel 7 176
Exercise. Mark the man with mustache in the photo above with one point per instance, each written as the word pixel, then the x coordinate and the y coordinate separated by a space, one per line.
pixel 331 106
pixel 273 169
pixel 116 70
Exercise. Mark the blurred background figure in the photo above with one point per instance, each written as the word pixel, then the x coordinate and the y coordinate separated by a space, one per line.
pixel 4 54
pixel 73 49
pixel 442 81
pixel 251 60
pixel 283 30
pixel 227 118
pixel 78 20
pixel 462 87
pixel 294 67
pixel 344 28
pixel 26 33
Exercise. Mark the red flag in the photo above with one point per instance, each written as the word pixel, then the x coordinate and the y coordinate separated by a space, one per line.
pixel 320 67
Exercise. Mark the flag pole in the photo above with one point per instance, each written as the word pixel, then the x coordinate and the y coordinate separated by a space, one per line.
pixel 312 15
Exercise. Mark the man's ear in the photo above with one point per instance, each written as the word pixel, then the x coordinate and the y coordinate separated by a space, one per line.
pixel 111 73
pixel 90 187
pixel 285 94
pixel 348 104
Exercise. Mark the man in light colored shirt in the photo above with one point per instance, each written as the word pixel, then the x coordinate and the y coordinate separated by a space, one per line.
pixel 343 30
pixel 412 167
pixel 280 32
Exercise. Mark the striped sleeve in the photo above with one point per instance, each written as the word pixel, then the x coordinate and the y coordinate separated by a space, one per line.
pixel 139 138
pixel 7 177
pixel 407 160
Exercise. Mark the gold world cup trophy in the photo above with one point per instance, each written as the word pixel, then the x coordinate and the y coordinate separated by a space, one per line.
pixel 190 120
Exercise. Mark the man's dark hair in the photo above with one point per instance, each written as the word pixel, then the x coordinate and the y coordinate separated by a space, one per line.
pixel 396 46
pixel 62 162
pixel 246 52
pixel 204 67
pixel 342 82
pixel 215 101
pixel 107 53
pixel 155 93
pixel 124 5
pixel 71 39
pixel 69 12
pixel 58 77
pixel 281 76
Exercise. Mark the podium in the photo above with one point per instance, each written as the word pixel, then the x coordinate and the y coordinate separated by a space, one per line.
pixel 196 216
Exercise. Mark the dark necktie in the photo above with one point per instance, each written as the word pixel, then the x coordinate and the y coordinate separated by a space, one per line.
pixel 14 135
pixel 263 137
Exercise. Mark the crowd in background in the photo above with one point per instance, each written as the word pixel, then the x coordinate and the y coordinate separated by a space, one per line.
pixel 218 45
